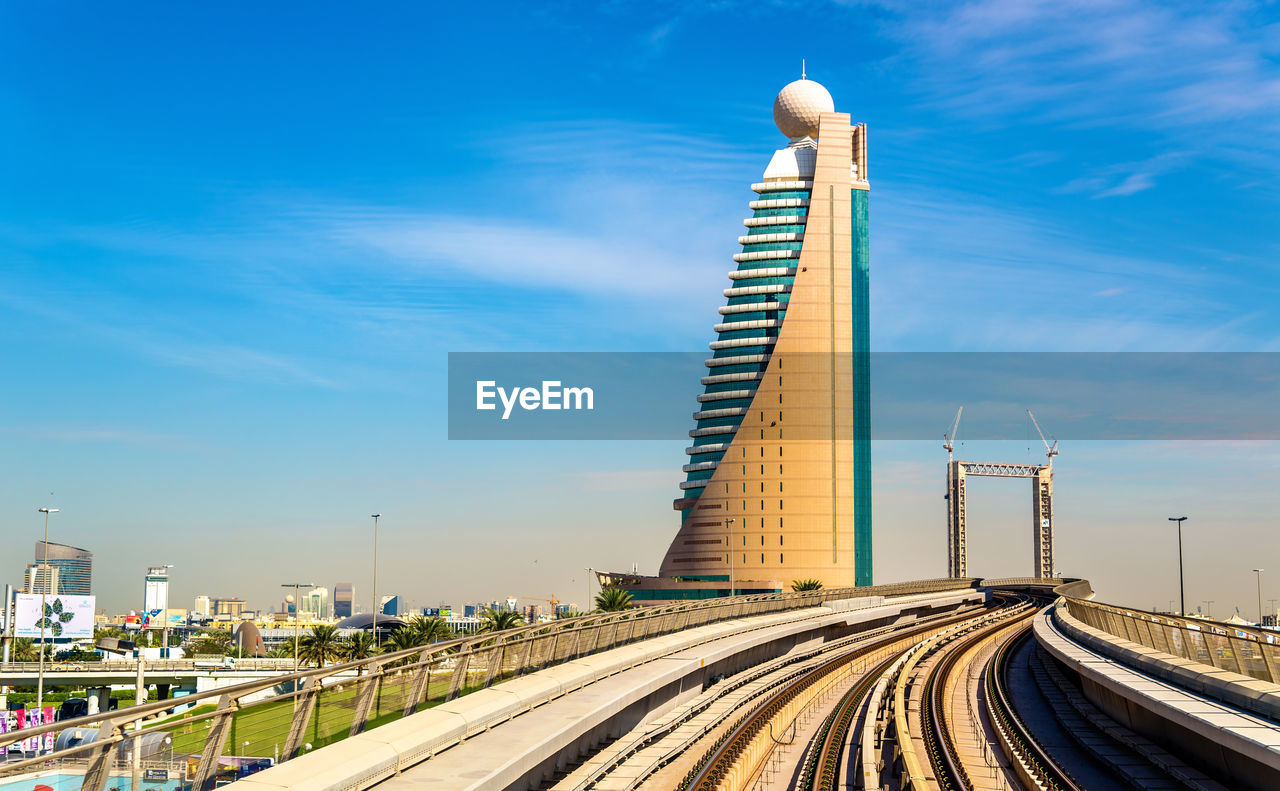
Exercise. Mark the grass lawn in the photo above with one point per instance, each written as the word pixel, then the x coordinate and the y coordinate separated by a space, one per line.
pixel 262 728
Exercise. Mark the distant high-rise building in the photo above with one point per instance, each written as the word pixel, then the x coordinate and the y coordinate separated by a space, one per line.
pixel 231 607
pixel 315 603
pixel 74 567
pixel 391 605
pixel 40 579
pixel 344 594
pixel 155 590
pixel 203 607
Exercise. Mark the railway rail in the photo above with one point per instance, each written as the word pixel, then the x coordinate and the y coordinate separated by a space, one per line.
pixel 929 709
pixel 717 763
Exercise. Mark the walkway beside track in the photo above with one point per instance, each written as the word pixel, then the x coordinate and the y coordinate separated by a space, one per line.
pixel 1228 741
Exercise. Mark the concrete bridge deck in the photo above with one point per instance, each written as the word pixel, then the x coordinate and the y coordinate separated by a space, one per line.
pixel 519 732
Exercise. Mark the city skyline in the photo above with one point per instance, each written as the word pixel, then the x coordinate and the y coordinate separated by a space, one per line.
pixel 229 295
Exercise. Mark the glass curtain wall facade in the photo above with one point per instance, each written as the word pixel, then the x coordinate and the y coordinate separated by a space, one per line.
pixel 74 568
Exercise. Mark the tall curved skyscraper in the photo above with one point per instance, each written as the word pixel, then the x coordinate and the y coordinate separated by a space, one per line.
pixel 777 483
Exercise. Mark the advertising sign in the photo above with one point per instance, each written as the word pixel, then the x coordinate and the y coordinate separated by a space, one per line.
pixel 62 616
pixel 19 719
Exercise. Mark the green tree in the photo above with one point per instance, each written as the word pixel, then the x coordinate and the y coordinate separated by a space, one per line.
pixel 400 640
pixel 428 630
pixel 358 645
pixel 24 650
pixel 806 585
pixel 283 650
pixel 499 620
pixel 321 645
pixel 216 641
pixel 613 600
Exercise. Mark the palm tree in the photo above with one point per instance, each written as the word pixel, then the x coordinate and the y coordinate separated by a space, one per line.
pixel 358 645
pixel 806 585
pixel 24 650
pixel 613 600
pixel 429 630
pixel 401 639
pixel 322 645
pixel 215 642
pixel 498 620
pixel 284 650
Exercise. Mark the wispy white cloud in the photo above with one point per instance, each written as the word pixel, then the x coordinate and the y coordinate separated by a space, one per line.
pixel 165 341
pixel 1203 77
pixel 101 435
pixel 1024 280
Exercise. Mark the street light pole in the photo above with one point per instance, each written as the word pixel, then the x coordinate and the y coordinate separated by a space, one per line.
pixel 1182 591
pixel 44 591
pixel 297 602
pixel 377 641
pixel 1258 574
pixel 729 529
pixel 589 571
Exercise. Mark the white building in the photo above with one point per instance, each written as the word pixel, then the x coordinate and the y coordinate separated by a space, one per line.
pixel 155 593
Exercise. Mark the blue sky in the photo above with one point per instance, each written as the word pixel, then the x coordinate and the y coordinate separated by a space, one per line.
pixel 236 243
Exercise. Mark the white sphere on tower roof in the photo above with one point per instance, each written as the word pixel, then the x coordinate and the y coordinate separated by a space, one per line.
pixel 798 107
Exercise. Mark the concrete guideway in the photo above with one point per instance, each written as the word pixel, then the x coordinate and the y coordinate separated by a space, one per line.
pixel 1233 743
pixel 550 718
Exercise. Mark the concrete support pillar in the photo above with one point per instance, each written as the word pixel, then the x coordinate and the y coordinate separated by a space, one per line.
pixel 99 699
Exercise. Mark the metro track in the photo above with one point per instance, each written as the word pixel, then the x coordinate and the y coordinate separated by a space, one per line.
pixel 929 709
pixel 717 762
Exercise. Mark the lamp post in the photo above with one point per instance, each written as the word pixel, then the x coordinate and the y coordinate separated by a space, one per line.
pixel 376 639
pixel 297 601
pixel 728 526
pixel 589 571
pixel 1258 573
pixel 1182 591
pixel 1210 603
pixel 44 591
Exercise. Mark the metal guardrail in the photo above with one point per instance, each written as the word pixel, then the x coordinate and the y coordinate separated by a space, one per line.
pixel 158 665
pixel 287 715
pixel 1244 650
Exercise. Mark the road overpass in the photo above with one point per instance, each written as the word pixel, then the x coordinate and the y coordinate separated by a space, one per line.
pixel 961 683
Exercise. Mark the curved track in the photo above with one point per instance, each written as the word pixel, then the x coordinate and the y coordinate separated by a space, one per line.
pixel 821 768
pixel 1018 739
pixel 716 764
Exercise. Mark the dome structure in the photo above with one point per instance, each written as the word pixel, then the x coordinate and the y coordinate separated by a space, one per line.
pixel 799 106
pixel 364 620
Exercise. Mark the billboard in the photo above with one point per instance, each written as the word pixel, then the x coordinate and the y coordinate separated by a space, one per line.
pixel 61 617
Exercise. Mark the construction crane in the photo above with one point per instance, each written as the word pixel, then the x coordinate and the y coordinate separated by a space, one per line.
pixel 553 601
pixel 949 440
pixel 1049 450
